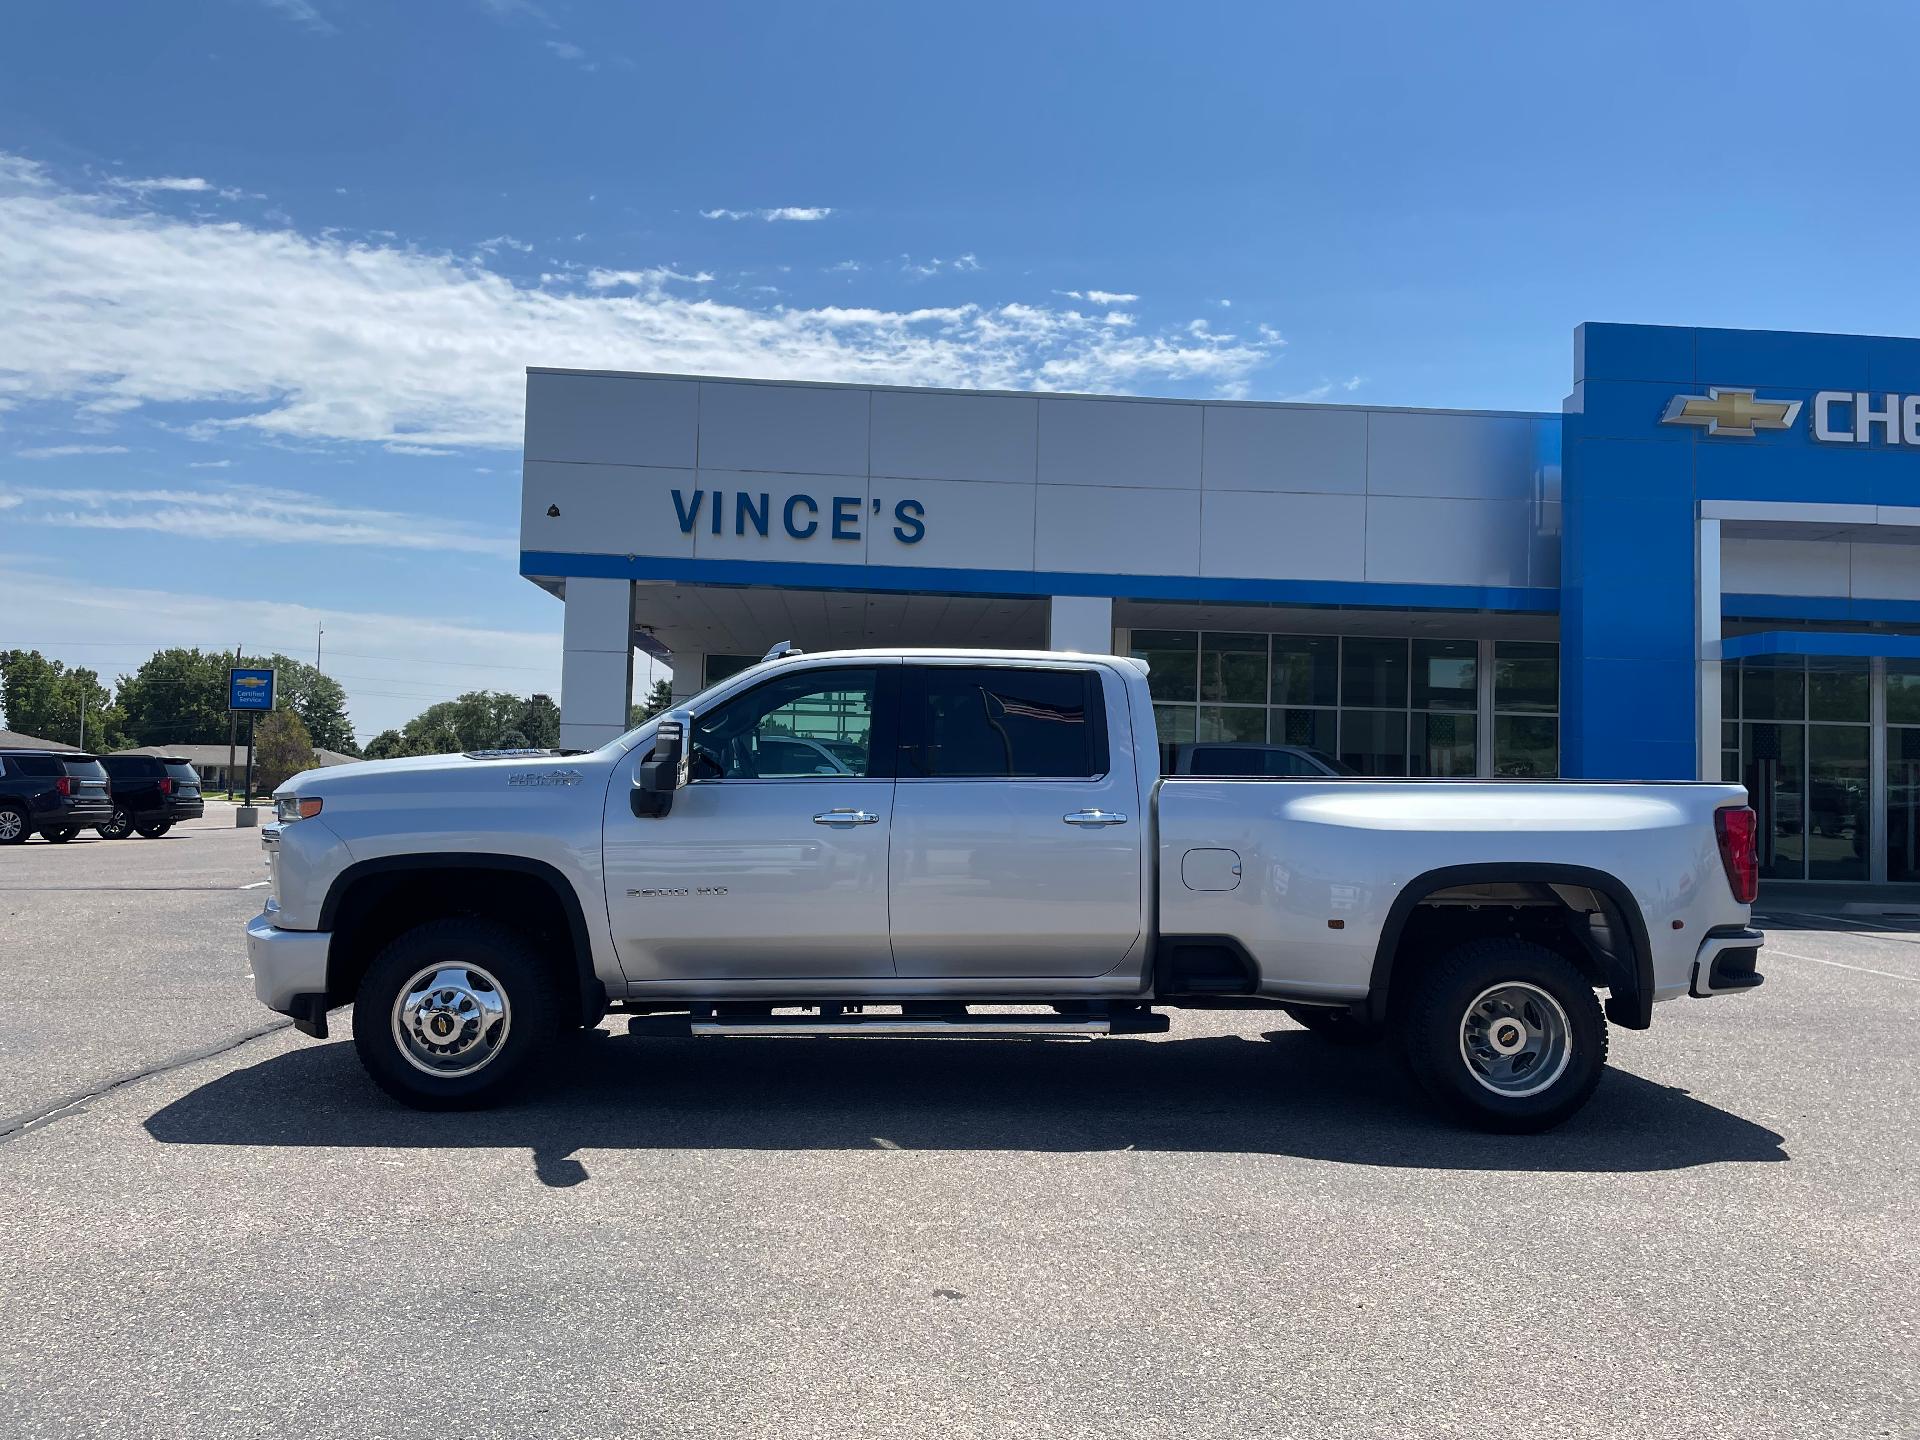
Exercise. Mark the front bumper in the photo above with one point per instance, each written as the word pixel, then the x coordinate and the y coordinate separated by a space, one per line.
pixel 1727 963
pixel 290 970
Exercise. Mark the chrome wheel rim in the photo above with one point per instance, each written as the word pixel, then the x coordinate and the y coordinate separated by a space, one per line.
pixel 11 824
pixel 451 1020
pixel 1515 1039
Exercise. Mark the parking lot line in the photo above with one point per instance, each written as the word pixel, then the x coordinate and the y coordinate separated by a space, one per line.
pixel 1840 964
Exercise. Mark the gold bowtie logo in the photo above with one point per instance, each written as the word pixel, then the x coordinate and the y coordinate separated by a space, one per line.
pixel 1726 411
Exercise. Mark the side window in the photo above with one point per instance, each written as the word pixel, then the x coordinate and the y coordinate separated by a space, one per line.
pixel 978 721
pixel 41 765
pixel 813 724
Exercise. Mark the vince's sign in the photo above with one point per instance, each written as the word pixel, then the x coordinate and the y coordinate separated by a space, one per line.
pixel 801 516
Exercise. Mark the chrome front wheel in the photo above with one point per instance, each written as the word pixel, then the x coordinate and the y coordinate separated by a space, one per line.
pixel 451 1020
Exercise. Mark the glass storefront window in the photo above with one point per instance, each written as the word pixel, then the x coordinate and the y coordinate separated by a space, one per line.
pixel 1233 722
pixel 1773 767
pixel 1903 799
pixel 1526 745
pixel 1526 676
pixel 1773 692
pixel 1173 662
pixel 1840 691
pixel 1233 669
pixel 1903 692
pixel 1315 729
pixel 1175 725
pixel 1373 673
pixel 1443 745
pixel 1838 797
pixel 1306 670
pixel 1374 742
pixel 1446 675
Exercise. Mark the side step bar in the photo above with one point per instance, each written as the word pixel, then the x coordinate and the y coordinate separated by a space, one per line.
pixel 958 1025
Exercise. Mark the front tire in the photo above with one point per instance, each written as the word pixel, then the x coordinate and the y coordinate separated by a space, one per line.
pixel 1506 1035
pixel 119 825
pixel 455 1014
pixel 155 830
pixel 60 834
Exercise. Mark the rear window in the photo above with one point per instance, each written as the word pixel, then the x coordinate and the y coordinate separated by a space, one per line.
pixel 1014 724
pixel 85 769
pixel 126 767
pixel 183 772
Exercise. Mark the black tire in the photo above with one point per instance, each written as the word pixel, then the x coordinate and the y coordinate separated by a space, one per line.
pixel 60 834
pixel 155 830
pixel 1434 1032
pixel 13 825
pixel 119 825
pixel 524 977
pixel 1341 1026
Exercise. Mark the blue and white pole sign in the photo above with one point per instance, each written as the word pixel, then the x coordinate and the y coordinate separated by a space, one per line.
pixel 250 689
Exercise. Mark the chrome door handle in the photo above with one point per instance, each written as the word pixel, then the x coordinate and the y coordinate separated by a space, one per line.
pixel 844 816
pixel 1094 819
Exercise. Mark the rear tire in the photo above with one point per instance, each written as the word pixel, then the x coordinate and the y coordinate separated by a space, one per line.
pixel 60 834
pixel 1506 1035
pixel 455 1014
pixel 155 830
pixel 119 825
pixel 1341 1026
pixel 13 825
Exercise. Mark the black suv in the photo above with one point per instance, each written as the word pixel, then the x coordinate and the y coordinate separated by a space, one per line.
pixel 57 792
pixel 150 792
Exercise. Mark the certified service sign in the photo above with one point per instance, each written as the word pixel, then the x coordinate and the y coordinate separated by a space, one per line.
pixel 250 689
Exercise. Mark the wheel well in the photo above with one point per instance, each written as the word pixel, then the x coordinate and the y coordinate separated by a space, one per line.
pixel 375 902
pixel 1585 915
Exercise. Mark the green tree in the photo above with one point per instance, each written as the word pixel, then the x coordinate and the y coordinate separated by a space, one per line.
pixel 178 697
pixel 659 698
pixel 540 722
pixel 384 746
pixel 281 749
pixel 318 699
pixel 41 697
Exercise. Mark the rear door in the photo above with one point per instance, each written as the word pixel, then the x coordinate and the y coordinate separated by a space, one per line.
pixel 1017 825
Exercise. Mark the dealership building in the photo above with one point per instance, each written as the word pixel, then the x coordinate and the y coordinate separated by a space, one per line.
pixel 1706 565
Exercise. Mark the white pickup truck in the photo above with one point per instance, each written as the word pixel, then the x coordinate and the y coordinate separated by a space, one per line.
pixel 970 843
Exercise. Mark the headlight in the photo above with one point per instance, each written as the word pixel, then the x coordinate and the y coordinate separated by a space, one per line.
pixel 289 808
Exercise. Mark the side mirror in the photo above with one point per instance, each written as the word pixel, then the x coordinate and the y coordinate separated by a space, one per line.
pixel 665 771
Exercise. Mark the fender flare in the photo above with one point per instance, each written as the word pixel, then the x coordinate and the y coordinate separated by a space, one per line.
pixel 592 993
pixel 1629 1004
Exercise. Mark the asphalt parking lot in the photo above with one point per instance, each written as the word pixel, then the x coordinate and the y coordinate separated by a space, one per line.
pixel 1230 1230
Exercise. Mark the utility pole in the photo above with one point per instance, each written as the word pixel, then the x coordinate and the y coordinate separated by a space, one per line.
pixel 319 629
pixel 83 722
pixel 233 730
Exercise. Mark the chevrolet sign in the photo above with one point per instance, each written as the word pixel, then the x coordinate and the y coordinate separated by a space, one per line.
pixel 1840 417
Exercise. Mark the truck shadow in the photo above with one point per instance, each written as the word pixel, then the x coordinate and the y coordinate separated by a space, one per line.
pixel 1290 1094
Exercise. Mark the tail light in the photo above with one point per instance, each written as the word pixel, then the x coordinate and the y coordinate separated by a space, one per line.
pixel 1739 851
pixel 64 785
pixel 166 787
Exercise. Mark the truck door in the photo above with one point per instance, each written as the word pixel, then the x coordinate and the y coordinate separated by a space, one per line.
pixel 1016 824
pixel 773 862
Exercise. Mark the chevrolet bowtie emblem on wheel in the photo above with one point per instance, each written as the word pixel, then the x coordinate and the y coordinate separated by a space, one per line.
pixel 1726 411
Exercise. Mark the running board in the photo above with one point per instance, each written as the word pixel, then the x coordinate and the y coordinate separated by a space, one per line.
pixel 964 1026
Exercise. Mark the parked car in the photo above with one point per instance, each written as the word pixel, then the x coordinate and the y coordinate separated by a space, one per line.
pixel 1006 841
pixel 56 792
pixel 1250 757
pixel 151 793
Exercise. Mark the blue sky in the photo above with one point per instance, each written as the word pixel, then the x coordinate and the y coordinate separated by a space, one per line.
pixel 271 270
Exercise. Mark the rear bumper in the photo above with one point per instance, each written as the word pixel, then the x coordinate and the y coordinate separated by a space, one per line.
pixel 290 970
pixel 1727 963
pixel 186 809
pixel 75 812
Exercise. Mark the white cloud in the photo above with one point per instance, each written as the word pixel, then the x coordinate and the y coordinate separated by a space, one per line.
pixel 208 464
pixel 1097 297
pixel 845 267
pixel 641 279
pixel 1327 389
pixel 303 13
pixel 503 242
pixel 60 452
pixel 777 212
pixel 1224 304
pixel 393 666
pixel 111 307
pixel 8 502
pixel 936 265
pixel 251 513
